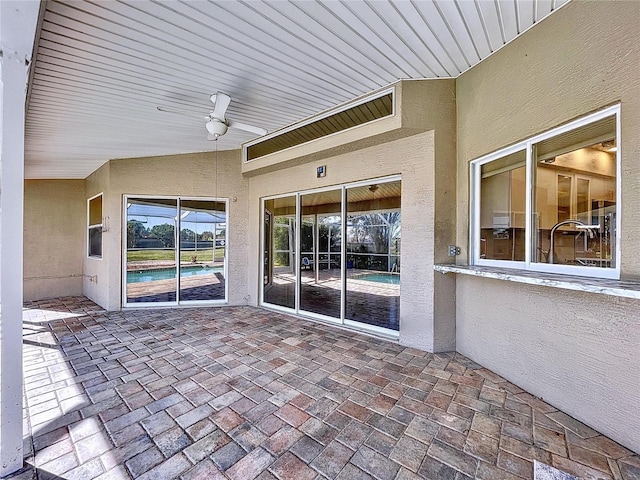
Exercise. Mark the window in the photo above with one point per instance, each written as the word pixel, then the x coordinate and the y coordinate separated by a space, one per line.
pixel 551 203
pixel 94 221
pixel 343 117
pixel 175 250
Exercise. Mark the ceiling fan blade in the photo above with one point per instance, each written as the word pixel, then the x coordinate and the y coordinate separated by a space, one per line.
pixel 246 128
pixel 174 111
pixel 171 110
pixel 220 105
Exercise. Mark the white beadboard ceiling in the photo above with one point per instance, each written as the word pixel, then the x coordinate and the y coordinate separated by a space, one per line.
pixel 103 66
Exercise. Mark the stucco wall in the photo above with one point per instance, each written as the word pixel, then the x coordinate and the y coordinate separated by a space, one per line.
pixel 96 281
pixel 54 231
pixel 426 322
pixel 582 58
pixel 190 175
pixel 431 105
pixel 411 158
pixel 578 351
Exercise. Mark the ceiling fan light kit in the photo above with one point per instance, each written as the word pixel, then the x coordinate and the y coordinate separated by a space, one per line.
pixel 216 127
pixel 217 122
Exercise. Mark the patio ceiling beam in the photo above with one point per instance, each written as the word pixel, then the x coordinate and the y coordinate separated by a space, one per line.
pixel 18 25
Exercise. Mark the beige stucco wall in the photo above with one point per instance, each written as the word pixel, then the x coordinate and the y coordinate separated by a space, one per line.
pixel 54 232
pixel 578 351
pixel 96 281
pixel 582 58
pixel 426 299
pixel 190 175
pixel 430 104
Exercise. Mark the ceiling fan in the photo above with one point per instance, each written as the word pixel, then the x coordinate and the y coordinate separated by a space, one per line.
pixel 216 122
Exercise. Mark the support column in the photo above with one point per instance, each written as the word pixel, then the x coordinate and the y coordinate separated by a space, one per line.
pixel 14 77
pixel 18 22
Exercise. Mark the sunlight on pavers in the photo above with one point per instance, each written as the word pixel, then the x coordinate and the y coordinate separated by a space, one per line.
pixel 241 392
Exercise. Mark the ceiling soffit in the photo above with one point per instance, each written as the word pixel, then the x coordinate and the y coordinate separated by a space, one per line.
pixel 103 67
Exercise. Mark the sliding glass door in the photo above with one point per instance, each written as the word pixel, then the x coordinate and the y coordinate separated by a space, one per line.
pixel 174 251
pixel 320 250
pixel 348 268
pixel 373 241
pixel 280 252
pixel 151 273
pixel 202 250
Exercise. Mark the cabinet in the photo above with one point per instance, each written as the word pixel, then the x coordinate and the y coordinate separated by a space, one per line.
pixel 559 195
pixel 562 195
pixel 503 200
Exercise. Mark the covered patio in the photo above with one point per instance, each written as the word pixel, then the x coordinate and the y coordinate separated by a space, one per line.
pixel 275 148
pixel 243 393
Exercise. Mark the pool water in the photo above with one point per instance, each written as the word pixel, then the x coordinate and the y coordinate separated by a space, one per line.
pixel 389 278
pixel 136 276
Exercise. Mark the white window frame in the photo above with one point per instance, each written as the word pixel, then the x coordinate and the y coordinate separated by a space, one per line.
pixel 95 226
pixel 527 146
pixel 178 301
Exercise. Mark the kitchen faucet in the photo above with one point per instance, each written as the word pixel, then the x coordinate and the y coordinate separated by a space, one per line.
pixel 579 225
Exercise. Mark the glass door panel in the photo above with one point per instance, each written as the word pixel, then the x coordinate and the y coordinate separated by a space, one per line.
pixel 373 247
pixel 280 260
pixel 151 250
pixel 202 250
pixel 320 244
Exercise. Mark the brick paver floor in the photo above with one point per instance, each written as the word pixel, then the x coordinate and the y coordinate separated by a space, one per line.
pixel 241 393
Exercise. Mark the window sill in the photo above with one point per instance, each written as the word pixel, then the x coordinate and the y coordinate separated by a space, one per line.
pixel 618 288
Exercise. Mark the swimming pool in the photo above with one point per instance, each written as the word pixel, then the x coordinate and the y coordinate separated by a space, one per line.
pixel 382 277
pixel 136 276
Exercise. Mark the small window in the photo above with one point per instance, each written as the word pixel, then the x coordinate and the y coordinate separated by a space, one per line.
pixel 337 120
pixel 551 203
pixel 94 236
pixel 502 201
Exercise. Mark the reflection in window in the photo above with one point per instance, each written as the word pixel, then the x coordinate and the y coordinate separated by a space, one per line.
pixel 203 227
pixel 348 267
pixel 151 275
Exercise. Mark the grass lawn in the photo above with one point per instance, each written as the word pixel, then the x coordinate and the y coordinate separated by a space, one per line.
pixel 185 256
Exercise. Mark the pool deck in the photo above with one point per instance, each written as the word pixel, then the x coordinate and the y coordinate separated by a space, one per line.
pixel 243 393
pixel 372 303
pixel 194 287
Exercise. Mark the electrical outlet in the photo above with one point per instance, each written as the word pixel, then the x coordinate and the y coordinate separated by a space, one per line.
pixel 453 250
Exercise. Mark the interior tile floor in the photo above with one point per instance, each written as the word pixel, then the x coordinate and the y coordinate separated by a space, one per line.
pixel 241 393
